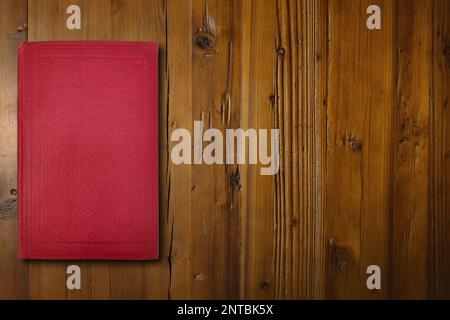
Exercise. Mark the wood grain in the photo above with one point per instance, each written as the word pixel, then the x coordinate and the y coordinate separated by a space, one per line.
pixel 215 189
pixel 364 149
pixel 13 272
pixel 411 178
pixel 299 114
pixel 440 151
pixel 259 224
pixel 359 116
pixel 179 213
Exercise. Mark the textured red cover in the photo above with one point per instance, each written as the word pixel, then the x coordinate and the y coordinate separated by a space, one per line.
pixel 88 150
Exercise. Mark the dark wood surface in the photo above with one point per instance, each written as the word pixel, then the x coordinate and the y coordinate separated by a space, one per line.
pixel 365 148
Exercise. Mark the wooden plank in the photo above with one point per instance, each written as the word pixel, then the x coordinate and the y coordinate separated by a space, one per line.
pixel 299 115
pixel 310 132
pixel 288 179
pixel 259 222
pixel 411 179
pixel 360 109
pixel 215 188
pixel 321 64
pixel 179 66
pixel 440 151
pixel 13 30
pixel 154 27
pixel 246 29
pixel 286 206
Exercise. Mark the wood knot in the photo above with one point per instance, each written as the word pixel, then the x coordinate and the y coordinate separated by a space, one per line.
pixel 447 155
pixel 272 99
pixel 22 28
pixel 264 285
pixel 13 192
pixel 351 142
pixel 341 260
pixel 340 257
pixel 235 180
pixel 281 51
pixel 198 276
pixel 446 52
pixel 294 222
pixel 204 40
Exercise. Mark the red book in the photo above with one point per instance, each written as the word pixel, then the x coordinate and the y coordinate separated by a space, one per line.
pixel 88 150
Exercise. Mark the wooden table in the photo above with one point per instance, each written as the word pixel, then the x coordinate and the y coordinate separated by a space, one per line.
pixel 365 144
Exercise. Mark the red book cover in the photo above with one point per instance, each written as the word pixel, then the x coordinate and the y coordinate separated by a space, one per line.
pixel 88 150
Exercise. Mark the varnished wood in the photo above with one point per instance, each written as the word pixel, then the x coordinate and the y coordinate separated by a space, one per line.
pixel 364 152
pixel 360 106
pixel 440 152
pixel 411 215
pixel 260 224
